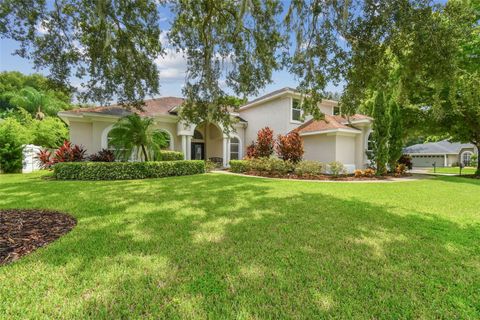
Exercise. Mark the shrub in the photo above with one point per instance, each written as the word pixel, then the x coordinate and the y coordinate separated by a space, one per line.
pixel 210 165
pixel 103 155
pixel 400 169
pixel 290 147
pixel 270 165
pixel 12 136
pixel 474 160
pixel 11 155
pixel 166 155
pixel 126 170
pixel 358 173
pixel 406 160
pixel 369 172
pixel 251 151
pixel 309 168
pixel 66 153
pixel 265 143
pixel 239 166
pixel 336 168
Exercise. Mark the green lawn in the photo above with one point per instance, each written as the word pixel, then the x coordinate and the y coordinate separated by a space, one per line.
pixel 222 246
pixel 454 170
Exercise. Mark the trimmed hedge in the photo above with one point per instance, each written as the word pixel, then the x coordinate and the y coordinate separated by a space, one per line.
pixel 126 170
pixel 239 166
pixel 170 155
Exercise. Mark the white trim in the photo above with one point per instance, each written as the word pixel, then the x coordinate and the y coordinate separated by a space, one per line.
pixel 464 152
pixel 104 137
pixel 278 95
pixel 240 146
pixel 429 154
pixel 339 130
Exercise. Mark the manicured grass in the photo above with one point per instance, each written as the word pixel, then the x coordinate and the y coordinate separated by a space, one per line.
pixel 454 170
pixel 222 246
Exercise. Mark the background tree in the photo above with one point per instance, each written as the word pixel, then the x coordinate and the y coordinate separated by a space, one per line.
pixel 36 103
pixel 12 138
pixel 132 133
pixel 96 41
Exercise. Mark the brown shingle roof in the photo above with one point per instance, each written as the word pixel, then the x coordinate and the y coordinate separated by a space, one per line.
pixel 152 107
pixel 329 123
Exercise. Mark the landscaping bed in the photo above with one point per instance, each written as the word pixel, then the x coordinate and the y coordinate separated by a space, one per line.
pixel 24 230
pixel 346 177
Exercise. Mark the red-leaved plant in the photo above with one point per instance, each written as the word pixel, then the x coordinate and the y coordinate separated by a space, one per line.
pixel 251 151
pixel 265 143
pixel 290 147
pixel 66 153
pixel 103 155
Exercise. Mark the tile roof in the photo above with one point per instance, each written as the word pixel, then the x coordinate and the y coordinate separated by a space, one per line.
pixel 152 107
pixel 440 147
pixel 330 123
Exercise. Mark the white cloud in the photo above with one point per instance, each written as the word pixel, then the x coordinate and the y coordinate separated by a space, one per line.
pixel 172 65
pixel 41 28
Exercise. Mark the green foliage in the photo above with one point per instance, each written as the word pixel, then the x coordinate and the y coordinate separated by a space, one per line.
pixel 395 141
pixel 336 168
pixel 11 147
pixel 166 155
pixel 381 132
pixel 96 40
pixel 210 166
pixel 239 166
pixel 35 102
pixel 132 133
pixel 50 132
pixel 306 167
pixel 126 170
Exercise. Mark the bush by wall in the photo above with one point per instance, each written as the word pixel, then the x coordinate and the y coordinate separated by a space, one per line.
pixel 239 166
pixel 170 155
pixel 308 167
pixel 126 170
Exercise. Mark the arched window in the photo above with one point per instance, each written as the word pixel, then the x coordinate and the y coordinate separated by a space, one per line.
pixel 467 157
pixel 197 135
pixel 234 148
pixel 370 142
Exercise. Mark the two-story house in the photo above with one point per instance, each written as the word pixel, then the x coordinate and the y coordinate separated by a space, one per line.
pixel 335 138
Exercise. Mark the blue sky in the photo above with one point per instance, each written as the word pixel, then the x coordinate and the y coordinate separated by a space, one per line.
pixel 172 66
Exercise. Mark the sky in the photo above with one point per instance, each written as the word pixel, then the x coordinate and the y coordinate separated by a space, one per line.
pixel 172 66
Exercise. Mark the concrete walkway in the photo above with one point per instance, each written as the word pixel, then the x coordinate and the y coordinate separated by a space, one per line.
pixel 415 177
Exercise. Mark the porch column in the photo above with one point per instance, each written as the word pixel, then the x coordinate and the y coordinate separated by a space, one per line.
pixel 189 148
pixel 184 147
pixel 444 160
pixel 226 152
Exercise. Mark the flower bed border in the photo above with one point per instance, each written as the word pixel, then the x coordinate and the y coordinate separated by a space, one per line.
pixel 322 177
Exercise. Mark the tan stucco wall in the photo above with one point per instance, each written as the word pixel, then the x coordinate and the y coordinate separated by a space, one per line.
pixel 345 149
pixel 81 134
pixel 319 148
pixel 451 159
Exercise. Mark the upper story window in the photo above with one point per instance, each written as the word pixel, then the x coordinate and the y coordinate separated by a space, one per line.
pixel 370 142
pixel 337 111
pixel 296 110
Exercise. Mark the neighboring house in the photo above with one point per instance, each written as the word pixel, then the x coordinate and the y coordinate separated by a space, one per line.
pixel 443 153
pixel 335 138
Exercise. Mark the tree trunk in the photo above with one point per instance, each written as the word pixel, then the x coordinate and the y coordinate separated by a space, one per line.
pixel 144 151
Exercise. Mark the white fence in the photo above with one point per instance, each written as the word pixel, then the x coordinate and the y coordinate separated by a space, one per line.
pixel 30 158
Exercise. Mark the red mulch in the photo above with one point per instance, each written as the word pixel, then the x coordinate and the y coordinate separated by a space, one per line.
pixel 349 177
pixel 24 230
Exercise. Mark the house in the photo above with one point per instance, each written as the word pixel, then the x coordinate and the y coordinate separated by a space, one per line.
pixel 443 153
pixel 335 138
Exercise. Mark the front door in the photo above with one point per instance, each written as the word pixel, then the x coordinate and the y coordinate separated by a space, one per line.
pixel 198 151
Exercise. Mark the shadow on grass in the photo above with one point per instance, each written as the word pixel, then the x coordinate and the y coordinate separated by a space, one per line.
pixel 232 247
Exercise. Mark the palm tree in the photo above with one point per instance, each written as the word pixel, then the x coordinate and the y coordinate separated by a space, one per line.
pixel 133 133
pixel 35 102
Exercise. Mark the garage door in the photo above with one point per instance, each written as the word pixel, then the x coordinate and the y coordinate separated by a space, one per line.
pixel 427 161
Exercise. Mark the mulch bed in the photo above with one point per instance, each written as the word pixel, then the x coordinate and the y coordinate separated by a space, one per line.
pixel 24 230
pixel 349 177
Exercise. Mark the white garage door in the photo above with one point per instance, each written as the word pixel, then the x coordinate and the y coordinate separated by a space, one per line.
pixel 427 161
